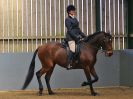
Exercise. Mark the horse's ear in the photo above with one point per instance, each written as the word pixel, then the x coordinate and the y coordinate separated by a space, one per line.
pixel 108 33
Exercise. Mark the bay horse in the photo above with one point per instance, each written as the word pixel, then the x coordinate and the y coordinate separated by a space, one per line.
pixel 53 53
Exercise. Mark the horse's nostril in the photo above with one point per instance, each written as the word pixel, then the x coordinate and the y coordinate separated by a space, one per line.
pixel 109 53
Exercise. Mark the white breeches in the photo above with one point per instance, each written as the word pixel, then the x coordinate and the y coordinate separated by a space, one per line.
pixel 72 46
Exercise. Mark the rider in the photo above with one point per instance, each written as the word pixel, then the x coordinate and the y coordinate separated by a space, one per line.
pixel 74 34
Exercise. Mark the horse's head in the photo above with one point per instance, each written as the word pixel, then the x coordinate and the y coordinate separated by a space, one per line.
pixel 101 39
pixel 106 44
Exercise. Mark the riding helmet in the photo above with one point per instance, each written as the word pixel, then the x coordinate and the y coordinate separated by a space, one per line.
pixel 70 8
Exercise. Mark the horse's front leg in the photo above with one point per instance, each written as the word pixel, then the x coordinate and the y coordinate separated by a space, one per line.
pixel 94 74
pixel 88 76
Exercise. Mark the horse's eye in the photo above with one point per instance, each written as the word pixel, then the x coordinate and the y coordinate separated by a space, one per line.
pixel 110 40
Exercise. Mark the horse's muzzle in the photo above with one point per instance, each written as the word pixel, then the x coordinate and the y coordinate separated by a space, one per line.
pixel 109 53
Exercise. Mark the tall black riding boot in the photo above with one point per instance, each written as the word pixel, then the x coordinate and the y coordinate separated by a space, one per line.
pixel 70 59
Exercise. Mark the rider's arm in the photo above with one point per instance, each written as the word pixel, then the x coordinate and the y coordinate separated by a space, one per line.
pixel 82 34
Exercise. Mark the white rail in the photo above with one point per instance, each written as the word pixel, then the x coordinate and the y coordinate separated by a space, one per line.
pixel 27 24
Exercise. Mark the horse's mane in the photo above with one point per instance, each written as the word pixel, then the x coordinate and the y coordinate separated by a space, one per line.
pixel 89 37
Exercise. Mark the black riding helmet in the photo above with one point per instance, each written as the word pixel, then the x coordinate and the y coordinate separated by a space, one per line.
pixel 70 8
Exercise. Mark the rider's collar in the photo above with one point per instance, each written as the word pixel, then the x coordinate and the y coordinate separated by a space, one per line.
pixel 71 16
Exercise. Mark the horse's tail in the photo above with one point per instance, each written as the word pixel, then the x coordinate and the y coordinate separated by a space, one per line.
pixel 30 72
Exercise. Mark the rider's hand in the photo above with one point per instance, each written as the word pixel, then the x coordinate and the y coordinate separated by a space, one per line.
pixel 82 39
pixel 79 37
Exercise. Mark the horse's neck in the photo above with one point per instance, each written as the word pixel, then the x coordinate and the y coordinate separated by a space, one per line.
pixel 94 42
pixel 93 45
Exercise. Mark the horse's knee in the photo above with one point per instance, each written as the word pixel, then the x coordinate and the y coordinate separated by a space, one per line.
pixel 96 78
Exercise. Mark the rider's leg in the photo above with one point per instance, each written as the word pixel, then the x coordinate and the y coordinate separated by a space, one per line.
pixel 70 57
pixel 71 53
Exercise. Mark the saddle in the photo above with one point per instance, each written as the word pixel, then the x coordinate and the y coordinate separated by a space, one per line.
pixel 76 58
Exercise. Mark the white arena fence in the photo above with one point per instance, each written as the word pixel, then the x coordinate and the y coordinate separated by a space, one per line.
pixel 26 24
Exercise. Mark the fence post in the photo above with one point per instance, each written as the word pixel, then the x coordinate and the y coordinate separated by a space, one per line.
pixel 98 15
pixel 130 24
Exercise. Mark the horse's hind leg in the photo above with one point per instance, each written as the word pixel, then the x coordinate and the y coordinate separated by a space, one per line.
pixel 39 74
pixel 47 79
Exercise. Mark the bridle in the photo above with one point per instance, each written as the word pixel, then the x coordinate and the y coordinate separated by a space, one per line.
pixel 102 44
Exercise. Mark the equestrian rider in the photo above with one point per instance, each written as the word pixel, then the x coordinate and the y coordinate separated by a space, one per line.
pixel 74 34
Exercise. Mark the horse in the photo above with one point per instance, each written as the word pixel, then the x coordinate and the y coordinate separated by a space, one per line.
pixel 53 53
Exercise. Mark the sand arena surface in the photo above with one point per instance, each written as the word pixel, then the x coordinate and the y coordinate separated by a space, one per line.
pixel 82 93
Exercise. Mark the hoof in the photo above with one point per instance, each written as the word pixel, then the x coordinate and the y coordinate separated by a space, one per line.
pixel 94 94
pixel 51 93
pixel 84 84
pixel 39 93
